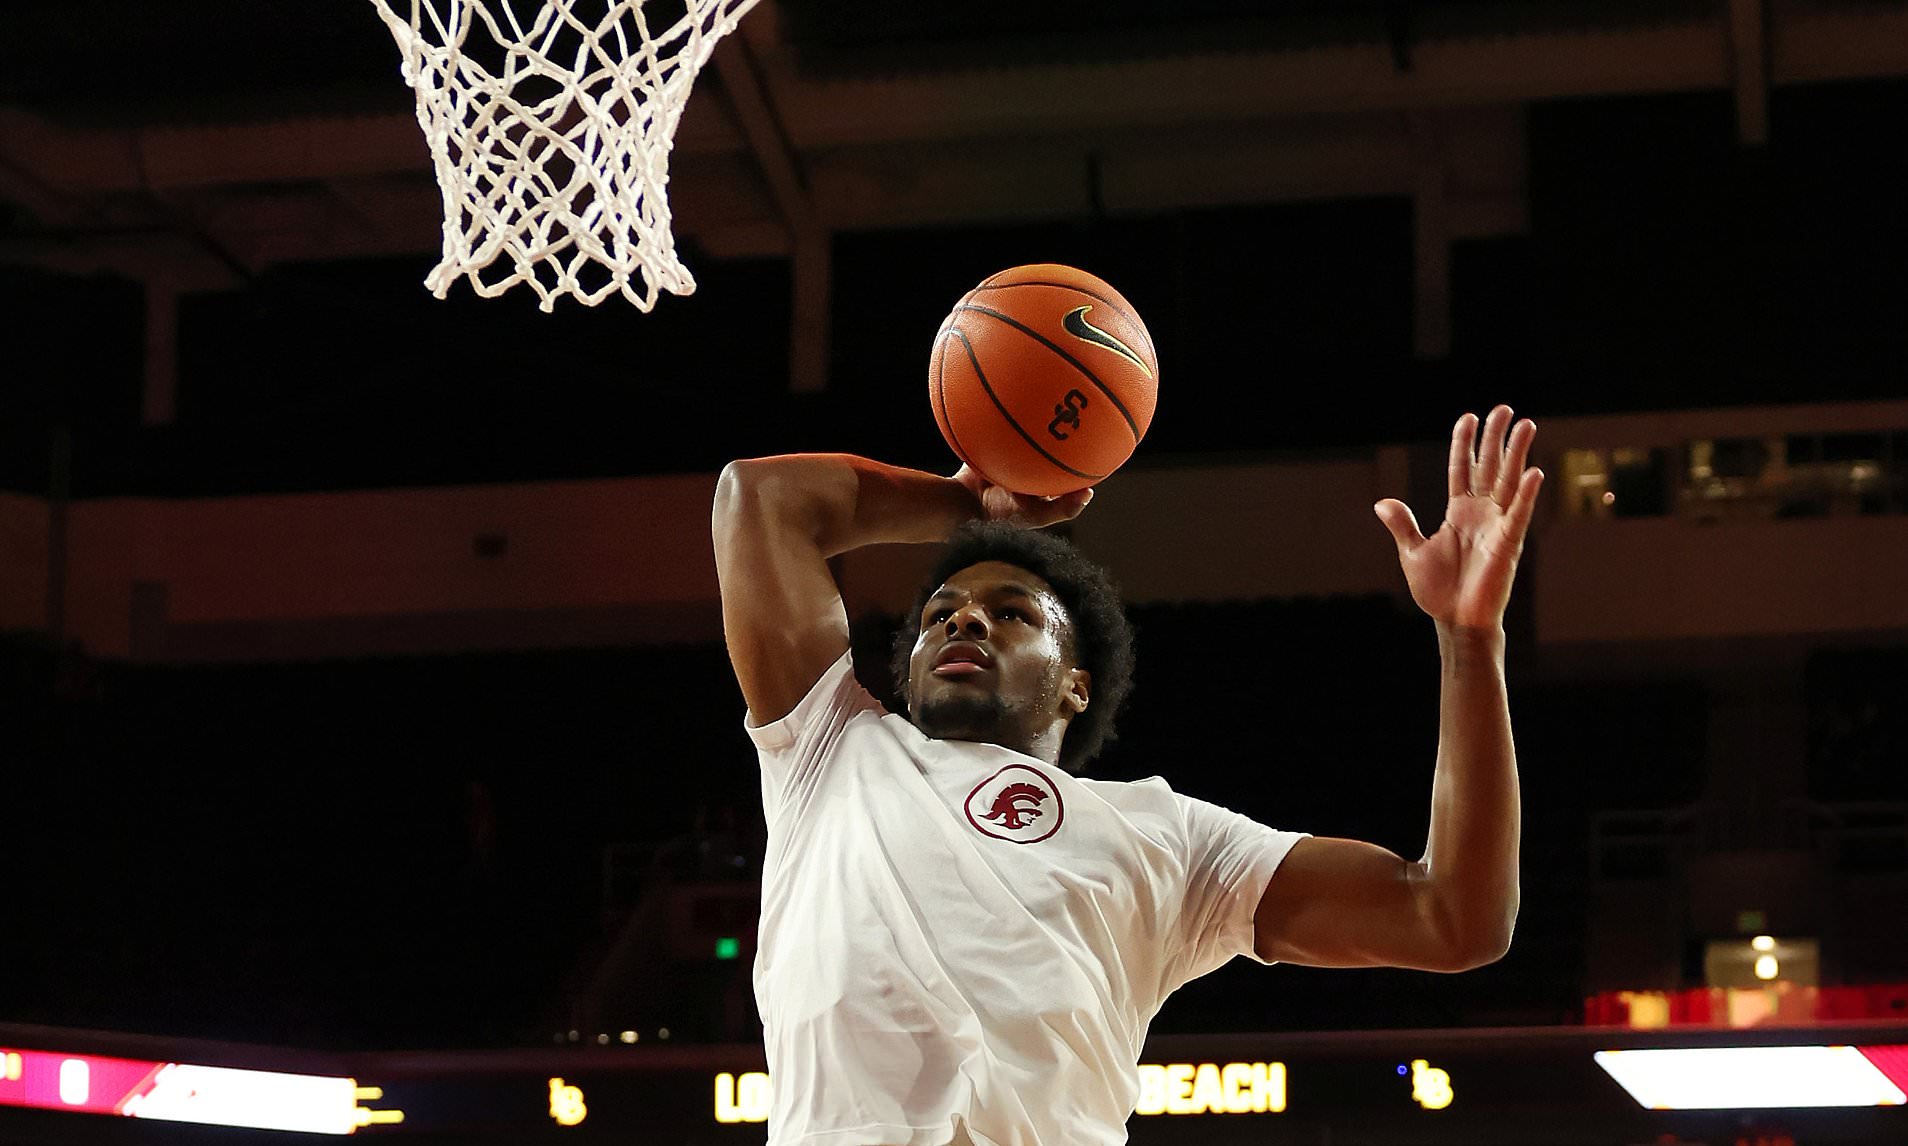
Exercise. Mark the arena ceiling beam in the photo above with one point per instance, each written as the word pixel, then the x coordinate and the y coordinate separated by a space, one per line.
pixel 1028 102
pixel 1749 60
pixel 753 107
pixel 929 147
pixel 1804 45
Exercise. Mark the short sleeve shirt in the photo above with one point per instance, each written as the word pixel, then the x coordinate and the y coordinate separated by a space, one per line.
pixel 958 939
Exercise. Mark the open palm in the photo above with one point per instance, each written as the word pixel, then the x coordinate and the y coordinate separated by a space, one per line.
pixel 1461 575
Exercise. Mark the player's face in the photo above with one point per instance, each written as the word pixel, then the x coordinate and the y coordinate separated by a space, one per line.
pixel 991 657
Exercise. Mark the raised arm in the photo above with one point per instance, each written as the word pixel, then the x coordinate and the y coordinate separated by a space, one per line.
pixel 776 523
pixel 1342 903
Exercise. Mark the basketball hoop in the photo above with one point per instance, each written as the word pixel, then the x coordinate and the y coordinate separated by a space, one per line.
pixel 551 141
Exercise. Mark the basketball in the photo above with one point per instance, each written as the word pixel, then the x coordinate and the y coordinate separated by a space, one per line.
pixel 1043 379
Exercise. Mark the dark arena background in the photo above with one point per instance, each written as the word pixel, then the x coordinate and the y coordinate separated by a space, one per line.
pixel 369 758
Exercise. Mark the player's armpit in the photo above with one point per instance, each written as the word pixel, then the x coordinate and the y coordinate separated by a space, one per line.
pixel 782 614
pixel 1343 903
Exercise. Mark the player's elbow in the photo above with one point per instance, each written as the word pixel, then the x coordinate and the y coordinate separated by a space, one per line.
pixel 1481 943
pixel 1480 951
pixel 740 485
pixel 1464 935
pixel 747 490
pixel 744 499
pixel 796 495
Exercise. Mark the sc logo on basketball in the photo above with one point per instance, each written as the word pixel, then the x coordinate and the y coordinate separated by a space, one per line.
pixel 1067 413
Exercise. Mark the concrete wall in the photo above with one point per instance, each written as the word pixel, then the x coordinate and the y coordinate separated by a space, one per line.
pixel 615 560
pixel 315 566
pixel 1233 532
pixel 629 560
pixel 1668 578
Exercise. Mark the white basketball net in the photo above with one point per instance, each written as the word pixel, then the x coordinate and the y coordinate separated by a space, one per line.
pixel 552 141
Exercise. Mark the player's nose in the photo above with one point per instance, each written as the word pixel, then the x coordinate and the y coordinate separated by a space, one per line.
pixel 968 620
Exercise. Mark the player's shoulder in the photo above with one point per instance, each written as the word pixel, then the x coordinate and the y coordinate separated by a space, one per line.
pixel 1149 808
pixel 836 697
pixel 1152 795
pixel 1155 797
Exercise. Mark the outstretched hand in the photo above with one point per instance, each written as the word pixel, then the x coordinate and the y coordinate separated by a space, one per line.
pixel 998 503
pixel 1461 575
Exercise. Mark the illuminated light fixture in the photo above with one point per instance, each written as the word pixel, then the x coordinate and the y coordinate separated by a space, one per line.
pixel 1649 1010
pixel 184 1092
pixel 1767 968
pixel 628 1036
pixel 253 1098
pixel 1753 1078
pixel 728 947
pixel 602 1040
pixel 1763 943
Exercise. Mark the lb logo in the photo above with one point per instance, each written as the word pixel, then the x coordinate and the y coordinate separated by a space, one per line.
pixel 1430 1087
pixel 1017 804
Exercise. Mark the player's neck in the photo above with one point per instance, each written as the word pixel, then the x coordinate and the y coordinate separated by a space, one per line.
pixel 1043 746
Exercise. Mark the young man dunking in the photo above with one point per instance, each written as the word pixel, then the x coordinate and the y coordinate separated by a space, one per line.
pixel 962 940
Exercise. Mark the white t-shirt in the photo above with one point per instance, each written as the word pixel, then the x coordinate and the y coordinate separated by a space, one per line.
pixel 960 939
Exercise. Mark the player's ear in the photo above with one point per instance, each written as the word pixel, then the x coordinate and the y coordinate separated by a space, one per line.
pixel 1076 691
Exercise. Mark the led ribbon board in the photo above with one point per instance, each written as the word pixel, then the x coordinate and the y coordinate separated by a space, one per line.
pixel 183 1092
pixel 1753 1078
pixel 1169 1088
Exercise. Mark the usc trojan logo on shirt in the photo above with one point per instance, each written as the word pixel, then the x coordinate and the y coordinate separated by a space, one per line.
pixel 1017 804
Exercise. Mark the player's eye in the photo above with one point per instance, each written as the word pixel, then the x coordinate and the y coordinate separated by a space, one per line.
pixel 938 616
pixel 1012 615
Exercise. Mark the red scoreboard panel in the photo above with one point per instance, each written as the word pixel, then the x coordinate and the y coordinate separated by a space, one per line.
pixel 1527 1086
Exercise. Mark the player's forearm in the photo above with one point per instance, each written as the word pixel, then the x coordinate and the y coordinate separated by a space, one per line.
pixel 1471 856
pixel 844 502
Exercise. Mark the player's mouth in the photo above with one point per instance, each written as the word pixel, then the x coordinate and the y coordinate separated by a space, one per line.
pixel 962 659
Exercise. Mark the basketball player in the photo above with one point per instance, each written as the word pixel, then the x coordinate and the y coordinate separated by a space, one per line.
pixel 961 940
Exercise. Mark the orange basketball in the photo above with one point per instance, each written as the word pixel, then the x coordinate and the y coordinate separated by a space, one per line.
pixel 1043 379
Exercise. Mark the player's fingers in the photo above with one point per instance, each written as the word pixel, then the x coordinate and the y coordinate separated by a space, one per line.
pixel 1517 518
pixel 977 485
pixel 1463 436
pixel 1039 512
pixel 1067 506
pixel 1490 451
pixel 1402 524
pixel 1517 452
